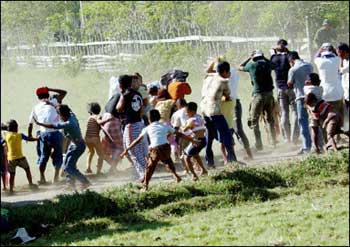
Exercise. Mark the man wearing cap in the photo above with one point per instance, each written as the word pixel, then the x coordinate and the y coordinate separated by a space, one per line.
pixel 50 139
pixel 285 95
pixel 259 69
pixel 326 34
pixel 327 63
pixel 297 75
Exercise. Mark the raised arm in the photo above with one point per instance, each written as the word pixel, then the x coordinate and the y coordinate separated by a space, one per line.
pixel 61 93
pixel 133 144
pixel 242 65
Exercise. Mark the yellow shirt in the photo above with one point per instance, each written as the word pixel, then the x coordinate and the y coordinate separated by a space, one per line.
pixel 227 109
pixel 14 145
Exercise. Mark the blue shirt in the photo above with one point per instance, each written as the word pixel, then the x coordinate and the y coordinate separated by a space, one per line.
pixel 297 75
pixel 71 128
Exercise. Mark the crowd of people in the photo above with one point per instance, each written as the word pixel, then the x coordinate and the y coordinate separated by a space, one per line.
pixel 154 123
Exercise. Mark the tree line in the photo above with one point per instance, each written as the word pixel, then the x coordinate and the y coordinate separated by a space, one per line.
pixel 35 22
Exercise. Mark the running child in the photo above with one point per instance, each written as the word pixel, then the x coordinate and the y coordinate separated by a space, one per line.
pixel 159 148
pixel 15 156
pixel 196 124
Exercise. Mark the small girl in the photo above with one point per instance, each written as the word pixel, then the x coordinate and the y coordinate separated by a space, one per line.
pixel 14 152
pixel 195 123
pixel 92 136
pixel 71 129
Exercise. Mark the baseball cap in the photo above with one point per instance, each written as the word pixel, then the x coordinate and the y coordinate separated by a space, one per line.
pixel 42 90
pixel 258 53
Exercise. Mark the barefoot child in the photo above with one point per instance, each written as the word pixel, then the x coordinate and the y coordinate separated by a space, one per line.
pixel 71 129
pixel 14 152
pixel 159 148
pixel 92 136
pixel 196 124
pixel 324 115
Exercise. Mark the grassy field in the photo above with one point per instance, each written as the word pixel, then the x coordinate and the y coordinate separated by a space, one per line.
pixel 295 203
pixel 18 87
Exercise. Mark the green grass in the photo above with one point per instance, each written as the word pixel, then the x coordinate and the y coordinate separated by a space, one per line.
pixel 286 204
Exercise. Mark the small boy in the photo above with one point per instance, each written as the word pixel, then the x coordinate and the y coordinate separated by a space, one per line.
pixel 159 148
pixel 71 129
pixel 196 124
pixel 324 115
pixel 15 156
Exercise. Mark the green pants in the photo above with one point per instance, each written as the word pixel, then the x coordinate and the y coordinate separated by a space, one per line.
pixel 262 103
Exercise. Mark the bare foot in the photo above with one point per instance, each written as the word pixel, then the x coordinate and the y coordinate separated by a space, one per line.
pixel 178 180
pixel 88 171
pixel 204 173
pixel 194 178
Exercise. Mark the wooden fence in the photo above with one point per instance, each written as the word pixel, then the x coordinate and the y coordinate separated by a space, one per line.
pixel 109 55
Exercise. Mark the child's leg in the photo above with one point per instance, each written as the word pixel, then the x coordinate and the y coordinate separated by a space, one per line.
pixel 190 167
pixel 4 177
pixel 152 161
pixel 200 164
pixel 73 154
pixel 100 154
pixel 91 153
pixel 12 180
pixel 29 175
pixel 170 165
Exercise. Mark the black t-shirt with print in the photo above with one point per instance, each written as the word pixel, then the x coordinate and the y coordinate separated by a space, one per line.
pixel 132 105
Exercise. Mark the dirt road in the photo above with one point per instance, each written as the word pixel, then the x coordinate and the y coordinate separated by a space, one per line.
pixel 24 195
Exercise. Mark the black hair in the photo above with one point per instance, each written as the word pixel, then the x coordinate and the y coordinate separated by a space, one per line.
pixel 223 67
pixel 343 47
pixel 153 90
pixel 154 115
pixel 293 55
pixel 12 125
pixel 314 78
pixel 310 98
pixel 125 81
pixel 182 102
pixel 192 106
pixel 282 42
pixel 43 96
pixel 94 108
pixel 64 110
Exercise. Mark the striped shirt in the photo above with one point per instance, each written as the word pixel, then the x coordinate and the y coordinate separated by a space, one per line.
pixel 93 128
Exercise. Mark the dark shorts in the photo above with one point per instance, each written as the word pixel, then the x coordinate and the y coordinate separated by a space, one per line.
pixel 192 149
pixel 161 153
pixel 22 162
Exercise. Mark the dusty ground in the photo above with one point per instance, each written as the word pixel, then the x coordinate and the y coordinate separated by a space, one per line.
pixel 24 195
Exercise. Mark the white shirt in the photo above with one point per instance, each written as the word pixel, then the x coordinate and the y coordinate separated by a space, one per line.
pixel 316 90
pixel 113 86
pixel 233 84
pixel 179 119
pixel 45 113
pixel 157 133
pixel 328 71
pixel 344 70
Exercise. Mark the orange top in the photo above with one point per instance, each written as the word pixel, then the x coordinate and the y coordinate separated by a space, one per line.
pixel 177 90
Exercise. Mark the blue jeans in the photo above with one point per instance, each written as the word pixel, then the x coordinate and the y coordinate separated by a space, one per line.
pixel 70 162
pixel 47 142
pixel 303 121
pixel 217 128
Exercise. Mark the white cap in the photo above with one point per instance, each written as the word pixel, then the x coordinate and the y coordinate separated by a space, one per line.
pixel 258 53
pixel 326 45
pixel 325 53
pixel 23 235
